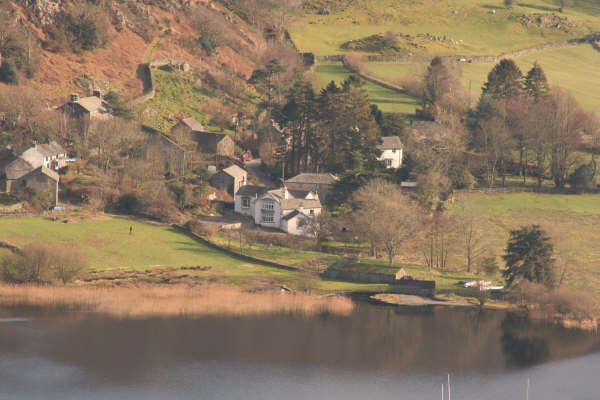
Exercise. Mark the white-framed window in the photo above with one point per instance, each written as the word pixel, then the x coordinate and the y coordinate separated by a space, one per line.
pixel 393 150
pixel 311 211
pixel 268 218
pixel 268 204
pixel 388 162
pixel 245 202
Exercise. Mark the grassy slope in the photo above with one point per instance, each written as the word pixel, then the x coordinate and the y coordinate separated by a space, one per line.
pixel 386 99
pixel 572 67
pixel 573 222
pixel 481 31
pixel 108 245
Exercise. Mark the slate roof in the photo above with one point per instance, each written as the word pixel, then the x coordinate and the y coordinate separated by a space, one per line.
pixel 18 168
pixel 293 214
pixel 193 124
pixel 93 104
pixel 52 174
pixel 390 143
pixel 51 149
pixel 291 202
pixel 251 190
pixel 326 179
pixel 235 171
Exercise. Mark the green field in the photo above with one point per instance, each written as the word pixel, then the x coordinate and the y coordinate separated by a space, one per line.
pixel 573 222
pixel 479 26
pixel 571 67
pixel 386 99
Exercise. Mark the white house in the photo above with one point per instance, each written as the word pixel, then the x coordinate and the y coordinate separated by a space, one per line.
pixel 287 210
pixel 391 151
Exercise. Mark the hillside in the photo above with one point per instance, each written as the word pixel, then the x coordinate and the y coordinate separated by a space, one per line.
pixel 415 31
pixel 130 34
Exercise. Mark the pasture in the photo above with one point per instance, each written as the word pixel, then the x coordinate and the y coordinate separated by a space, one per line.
pixel 477 26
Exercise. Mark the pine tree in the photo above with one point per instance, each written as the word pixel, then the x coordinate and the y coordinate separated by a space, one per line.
pixel 536 84
pixel 361 133
pixel 504 80
pixel 529 256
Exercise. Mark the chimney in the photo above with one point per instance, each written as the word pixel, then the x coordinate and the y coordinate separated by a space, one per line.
pixel 286 194
pixel 97 93
pixel 74 97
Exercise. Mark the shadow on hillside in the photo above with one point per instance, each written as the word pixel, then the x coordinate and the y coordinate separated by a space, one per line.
pixel 539 7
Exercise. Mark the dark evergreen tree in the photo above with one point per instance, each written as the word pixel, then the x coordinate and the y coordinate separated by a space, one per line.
pixel 529 256
pixel 536 84
pixel 8 73
pixel 504 80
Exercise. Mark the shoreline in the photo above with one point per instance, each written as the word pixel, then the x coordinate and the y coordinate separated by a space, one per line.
pixel 404 300
pixel 159 300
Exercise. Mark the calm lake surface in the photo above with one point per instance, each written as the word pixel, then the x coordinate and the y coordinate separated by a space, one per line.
pixel 376 353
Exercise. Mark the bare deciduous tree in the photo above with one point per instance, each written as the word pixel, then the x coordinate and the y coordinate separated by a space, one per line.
pixel 386 216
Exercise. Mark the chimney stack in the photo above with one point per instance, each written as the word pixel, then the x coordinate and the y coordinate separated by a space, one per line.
pixel 286 194
pixel 74 97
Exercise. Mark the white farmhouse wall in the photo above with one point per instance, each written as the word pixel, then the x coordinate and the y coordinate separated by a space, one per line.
pixel 241 210
pixel 395 156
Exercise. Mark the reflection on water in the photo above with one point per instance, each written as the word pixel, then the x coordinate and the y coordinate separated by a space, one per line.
pixel 375 350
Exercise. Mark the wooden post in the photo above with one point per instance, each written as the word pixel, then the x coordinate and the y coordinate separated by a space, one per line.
pixel 449 398
pixel 527 390
pixel 442 391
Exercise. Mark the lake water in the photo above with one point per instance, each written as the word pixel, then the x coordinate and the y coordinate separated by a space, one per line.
pixel 376 353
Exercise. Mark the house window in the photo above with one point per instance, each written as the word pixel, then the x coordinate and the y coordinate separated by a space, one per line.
pixel 268 218
pixel 388 162
pixel 245 202
pixel 268 205
pixel 393 150
pixel 311 212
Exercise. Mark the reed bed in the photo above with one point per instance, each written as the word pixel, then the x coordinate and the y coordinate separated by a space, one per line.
pixel 171 300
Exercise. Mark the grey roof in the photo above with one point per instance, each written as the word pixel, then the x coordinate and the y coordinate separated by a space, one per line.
pixel 291 215
pixel 50 149
pixel 193 124
pixel 235 171
pixel 92 104
pixel 326 179
pixel 251 190
pixel 18 168
pixel 291 202
pixel 51 174
pixel 299 194
pixel 390 143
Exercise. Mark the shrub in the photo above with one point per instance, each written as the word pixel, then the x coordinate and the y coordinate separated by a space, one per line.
pixel 355 62
pixel 8 73
pixel 130 203
pixel 41 262
pixel 489 265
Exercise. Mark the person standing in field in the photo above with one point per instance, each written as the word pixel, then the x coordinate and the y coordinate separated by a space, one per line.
pixel 130 229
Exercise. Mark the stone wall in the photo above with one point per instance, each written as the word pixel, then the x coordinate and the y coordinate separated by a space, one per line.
pixel 148 77
pixel 483 59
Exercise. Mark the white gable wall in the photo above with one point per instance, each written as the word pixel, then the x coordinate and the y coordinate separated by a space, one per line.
pixel 394 155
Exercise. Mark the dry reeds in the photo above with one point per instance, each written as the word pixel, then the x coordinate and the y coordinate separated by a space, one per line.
pixel 170 300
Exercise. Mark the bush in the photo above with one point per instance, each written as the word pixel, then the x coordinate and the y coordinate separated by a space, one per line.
pixel 129 203
pixel 41 263
pixel 8 73
pixel 355 62
pixel 489 266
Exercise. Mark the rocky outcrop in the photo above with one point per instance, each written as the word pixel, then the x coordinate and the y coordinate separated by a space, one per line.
pixel 43 10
